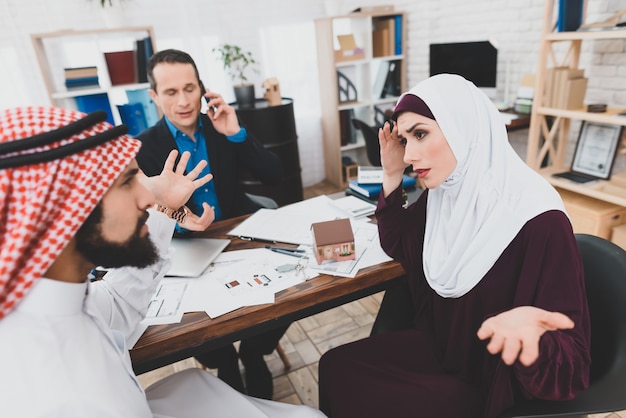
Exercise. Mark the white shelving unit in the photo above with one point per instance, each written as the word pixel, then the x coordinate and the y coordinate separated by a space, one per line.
pixel 553 142
pixel 549 130
pixel 362 72
pixel 56 51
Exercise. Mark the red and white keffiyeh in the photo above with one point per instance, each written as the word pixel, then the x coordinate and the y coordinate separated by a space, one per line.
pixel 42 205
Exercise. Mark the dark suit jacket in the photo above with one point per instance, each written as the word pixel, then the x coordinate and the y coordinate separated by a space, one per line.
pixel 226 159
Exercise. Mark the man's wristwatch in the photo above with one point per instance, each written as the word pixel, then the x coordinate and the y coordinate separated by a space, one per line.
pixel 179 215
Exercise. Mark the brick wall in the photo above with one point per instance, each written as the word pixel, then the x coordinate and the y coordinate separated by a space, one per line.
pixel 514 25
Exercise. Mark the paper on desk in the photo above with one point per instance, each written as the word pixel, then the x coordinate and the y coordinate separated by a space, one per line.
pixel 291 223
pixel 165 307
pixel 241 278
pixel 353 206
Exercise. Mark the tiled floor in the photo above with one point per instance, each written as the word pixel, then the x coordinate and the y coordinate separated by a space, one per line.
pixel 306 340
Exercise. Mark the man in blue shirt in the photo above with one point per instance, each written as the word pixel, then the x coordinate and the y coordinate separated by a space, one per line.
pixel 218 138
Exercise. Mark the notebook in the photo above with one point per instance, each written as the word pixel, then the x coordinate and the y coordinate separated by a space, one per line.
pixel 194 255
pixel 594 154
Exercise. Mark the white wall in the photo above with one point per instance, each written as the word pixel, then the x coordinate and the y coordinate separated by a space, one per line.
pixel 280 34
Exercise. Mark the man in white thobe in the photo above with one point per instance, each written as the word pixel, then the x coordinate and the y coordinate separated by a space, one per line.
pixel 71 198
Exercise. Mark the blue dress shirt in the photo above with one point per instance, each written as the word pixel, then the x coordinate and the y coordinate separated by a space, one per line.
pixel 197 149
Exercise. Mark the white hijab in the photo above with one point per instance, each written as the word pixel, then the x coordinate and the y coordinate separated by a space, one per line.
pixel 473 216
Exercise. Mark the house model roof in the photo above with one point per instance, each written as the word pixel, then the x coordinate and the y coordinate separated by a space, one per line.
pixel 332 232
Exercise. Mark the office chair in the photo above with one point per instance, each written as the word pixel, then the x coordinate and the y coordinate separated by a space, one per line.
pixel 263 201
pixel 605 281
pixel 605 268
pixel 370 134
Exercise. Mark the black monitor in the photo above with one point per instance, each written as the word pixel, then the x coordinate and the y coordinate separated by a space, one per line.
pixel 476 61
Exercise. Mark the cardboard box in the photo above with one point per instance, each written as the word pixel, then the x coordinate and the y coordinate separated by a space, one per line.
pixel 592 216
pixel 348 51
pixel 619 235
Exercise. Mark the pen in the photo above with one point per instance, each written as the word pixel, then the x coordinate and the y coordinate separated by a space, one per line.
pixel 291 253
pixel 257 239
pixel 293 250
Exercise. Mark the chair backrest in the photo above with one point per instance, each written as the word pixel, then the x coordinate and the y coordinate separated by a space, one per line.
pixel 370 135
pixel 605 282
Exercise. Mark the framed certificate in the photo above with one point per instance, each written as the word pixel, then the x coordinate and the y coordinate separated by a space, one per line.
pixel 596 149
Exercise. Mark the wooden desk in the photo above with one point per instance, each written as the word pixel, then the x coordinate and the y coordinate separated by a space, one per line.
pixel 519 121
pixel 161 345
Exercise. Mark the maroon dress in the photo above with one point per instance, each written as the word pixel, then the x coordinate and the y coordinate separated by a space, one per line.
pixel 440 368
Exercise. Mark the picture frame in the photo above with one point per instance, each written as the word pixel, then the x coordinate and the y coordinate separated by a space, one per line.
pixel 596 149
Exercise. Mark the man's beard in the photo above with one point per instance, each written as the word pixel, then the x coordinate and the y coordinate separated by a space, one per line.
pixel 137 251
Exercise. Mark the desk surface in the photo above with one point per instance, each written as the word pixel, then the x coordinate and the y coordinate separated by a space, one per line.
pixel 165 344
pixel 515 120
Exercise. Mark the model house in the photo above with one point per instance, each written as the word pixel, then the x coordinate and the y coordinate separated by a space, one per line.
pixel 333 241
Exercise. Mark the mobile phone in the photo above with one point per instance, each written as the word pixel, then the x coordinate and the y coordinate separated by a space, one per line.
pixel 203 99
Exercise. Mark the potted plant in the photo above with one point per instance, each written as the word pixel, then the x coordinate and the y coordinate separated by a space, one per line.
pixel 236 61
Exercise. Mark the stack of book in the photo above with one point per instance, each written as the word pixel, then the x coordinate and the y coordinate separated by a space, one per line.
pixel 387 36
pixel 368 185
pixel 81 77
pixel 565 88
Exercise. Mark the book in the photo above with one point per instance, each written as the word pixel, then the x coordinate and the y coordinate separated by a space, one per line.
pixel 346 130
pixel 82 82
pixel 350 192
pixel 562 81
pixel 143 52
pixel 121 66
pixel 387 24
pixel 80 72
pixel 398 35
pixel 373 190
pixel 574 94
pixel 93 102
pixel 132 116
pixel 380 42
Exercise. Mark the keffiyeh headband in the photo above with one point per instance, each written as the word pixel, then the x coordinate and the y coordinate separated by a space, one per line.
pixel 53 172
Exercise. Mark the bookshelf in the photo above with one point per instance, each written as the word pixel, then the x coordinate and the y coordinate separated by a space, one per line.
pixel 550 124
pixel 374 65
pixel 57 51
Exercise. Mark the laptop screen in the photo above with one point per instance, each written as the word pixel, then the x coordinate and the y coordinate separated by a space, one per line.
pixel 193 256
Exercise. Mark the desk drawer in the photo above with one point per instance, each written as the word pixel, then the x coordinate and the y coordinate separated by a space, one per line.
pixel 592 216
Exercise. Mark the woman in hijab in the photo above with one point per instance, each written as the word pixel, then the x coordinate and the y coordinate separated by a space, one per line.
pixel 494 272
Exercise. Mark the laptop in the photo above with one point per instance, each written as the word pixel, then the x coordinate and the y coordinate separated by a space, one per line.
pixel 594 154
pixel 194 255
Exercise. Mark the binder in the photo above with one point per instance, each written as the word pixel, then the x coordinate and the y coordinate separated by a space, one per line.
pixel 149 107
pixel 93 102
pixel 570 15
pixel 398 35
pixel 393 86
pixel 143 53
pixel 133 117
